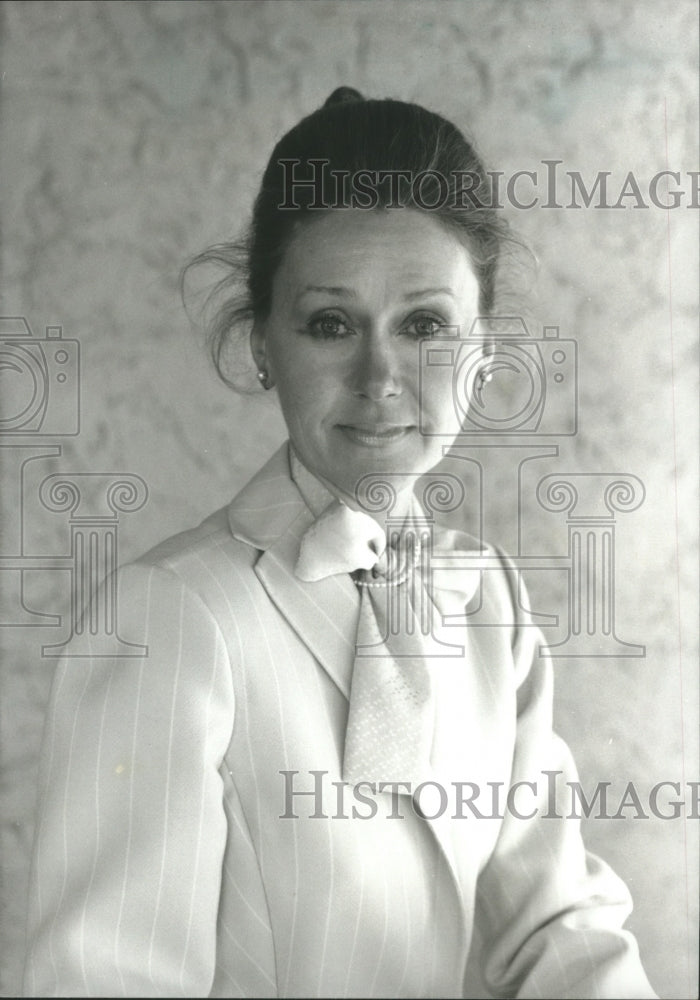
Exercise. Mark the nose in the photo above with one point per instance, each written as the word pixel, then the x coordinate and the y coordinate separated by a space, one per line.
pixel 376 372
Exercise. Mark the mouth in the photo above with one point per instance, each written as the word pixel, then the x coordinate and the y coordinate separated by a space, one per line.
pixel 375 436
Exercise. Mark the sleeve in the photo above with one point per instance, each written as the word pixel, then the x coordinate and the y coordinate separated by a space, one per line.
pixel 551 915
pixel 125 881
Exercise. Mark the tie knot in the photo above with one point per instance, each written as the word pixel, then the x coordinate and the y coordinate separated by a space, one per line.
pixel 341 540
pixel 396 563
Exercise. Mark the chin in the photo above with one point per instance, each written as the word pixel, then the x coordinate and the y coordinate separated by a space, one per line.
pixel 383 465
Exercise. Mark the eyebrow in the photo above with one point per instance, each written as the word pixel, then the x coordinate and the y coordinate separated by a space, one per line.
pixel 348 293
pixel 440 290
pixel 330 289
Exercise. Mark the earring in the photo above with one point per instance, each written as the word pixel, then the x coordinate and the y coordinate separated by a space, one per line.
pixel 484 379
pixel 263 378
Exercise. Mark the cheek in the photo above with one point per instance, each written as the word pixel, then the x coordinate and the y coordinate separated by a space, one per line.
pixel 307 389
pixel 436 402
pixel 304 368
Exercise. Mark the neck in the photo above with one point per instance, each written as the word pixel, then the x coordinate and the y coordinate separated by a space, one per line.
pixel 319 491
pixel 398 504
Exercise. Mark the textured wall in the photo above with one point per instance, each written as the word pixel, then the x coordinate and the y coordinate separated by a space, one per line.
pixel 134 134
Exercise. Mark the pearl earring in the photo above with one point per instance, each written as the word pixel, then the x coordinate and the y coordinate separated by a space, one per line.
pixel 264 379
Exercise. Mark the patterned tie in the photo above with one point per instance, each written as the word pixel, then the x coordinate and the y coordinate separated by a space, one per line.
pixel 392 704
pixel 401 640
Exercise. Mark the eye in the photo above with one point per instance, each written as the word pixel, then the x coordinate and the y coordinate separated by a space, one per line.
pixel 423 326
pixel 329 326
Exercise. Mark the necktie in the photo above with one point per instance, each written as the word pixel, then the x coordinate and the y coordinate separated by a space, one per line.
pixel 392 702
pixel 401 641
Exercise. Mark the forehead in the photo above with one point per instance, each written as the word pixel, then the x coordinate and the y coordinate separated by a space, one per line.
pixel 384 249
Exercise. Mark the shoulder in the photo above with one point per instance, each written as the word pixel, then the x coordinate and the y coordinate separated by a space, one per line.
pixel 203 559
pixel 493 580
pixel 499 603
pixel 187 547
pixel 502 581
pixel 182 595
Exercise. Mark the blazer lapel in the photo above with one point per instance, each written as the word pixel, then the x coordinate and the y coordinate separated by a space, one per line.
pixel 324 613
pixel 271 514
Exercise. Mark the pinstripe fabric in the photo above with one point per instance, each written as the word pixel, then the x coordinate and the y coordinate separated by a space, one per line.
pixel 162 866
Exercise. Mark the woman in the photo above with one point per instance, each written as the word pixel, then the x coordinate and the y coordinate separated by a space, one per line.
pixel 281 798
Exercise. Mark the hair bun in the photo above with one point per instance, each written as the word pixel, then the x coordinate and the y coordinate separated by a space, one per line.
pixel 343 95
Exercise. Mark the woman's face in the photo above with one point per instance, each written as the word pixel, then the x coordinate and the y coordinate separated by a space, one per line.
pixel 356 293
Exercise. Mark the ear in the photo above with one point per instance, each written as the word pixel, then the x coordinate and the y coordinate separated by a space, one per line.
pixel 258 346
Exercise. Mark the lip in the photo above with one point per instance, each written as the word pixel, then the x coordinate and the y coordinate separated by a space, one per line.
pixel 375 435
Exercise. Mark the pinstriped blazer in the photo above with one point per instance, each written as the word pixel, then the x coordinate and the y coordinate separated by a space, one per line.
pixel 194 837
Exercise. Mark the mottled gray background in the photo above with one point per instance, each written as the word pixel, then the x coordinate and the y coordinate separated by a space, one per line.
pixel 134 134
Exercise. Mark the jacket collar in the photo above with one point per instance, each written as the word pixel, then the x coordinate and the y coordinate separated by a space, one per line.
pixel 268 505
pixel 271 515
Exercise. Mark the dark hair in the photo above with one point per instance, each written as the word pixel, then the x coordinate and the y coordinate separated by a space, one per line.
pixel 345 137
